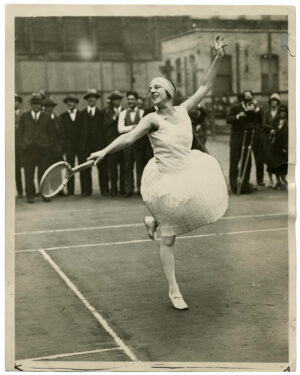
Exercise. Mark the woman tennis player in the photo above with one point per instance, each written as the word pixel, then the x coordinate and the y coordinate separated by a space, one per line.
pixel 183 189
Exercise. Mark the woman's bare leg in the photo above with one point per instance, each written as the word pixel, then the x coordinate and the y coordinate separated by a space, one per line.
pixel 167 258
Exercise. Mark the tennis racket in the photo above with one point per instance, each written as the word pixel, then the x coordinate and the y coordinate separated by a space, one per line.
pixel 57 176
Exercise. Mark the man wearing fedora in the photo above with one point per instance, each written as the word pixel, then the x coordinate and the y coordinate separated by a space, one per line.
pixel 57 141
pixel 35 136
pixel 93 139
pixel 110 126
pixel 71 123
pixel 18 154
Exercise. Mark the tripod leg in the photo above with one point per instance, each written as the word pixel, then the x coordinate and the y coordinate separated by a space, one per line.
pixel 247 157
pixel 239 185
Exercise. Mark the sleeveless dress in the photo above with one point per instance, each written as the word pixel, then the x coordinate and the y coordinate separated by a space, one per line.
pixel 183 189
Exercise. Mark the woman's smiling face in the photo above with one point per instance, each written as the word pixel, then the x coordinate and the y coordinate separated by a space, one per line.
pixel 158 94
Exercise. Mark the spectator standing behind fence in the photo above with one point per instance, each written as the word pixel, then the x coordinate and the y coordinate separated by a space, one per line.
pixel 93 139
pixel 18 154
pixel 110 126
pixel 35 135
pixel 270 117
pixel 128 120
pixel 72 134
pixel 245 115
pixel 277 161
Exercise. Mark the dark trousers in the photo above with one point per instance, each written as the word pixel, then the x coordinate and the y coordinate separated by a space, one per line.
pixel 18 168
pixel 87 183
pixel 114 161
pixel 71 156
pixel 141 157
pixel 33 157
pixel 258 152
pixel 103 176
pixel 236 141
pixel 128 159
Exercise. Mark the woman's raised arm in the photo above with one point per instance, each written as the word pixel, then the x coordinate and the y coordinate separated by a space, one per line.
pixel 209 77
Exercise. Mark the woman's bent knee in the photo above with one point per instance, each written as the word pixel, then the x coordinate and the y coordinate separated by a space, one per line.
pixel 168 240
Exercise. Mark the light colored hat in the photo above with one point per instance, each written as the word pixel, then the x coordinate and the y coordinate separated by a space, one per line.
pixel 275 96
pixel 91 92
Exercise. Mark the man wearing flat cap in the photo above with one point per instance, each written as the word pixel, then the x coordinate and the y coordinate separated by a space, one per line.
pixel 110 126
pixel 93 139
pixel 35 135
pixel 57 141
pixel 18 154
pixel 71 122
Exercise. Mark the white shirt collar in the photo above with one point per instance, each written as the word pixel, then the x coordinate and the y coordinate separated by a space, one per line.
pixel 73 112
pixel 35 115
pixel 93 109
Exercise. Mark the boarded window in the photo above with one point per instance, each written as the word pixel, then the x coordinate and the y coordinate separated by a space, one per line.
pixel 269 73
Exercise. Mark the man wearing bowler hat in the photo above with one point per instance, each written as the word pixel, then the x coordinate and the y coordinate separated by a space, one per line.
pixel 72 130
pixel 93 139
pixel 110 126
pixel 35 135
pixel 18 154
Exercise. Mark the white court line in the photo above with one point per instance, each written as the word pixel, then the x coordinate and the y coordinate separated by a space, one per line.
pixel 92 309
pixel 54 356
pixel 137 224
pixel 148 240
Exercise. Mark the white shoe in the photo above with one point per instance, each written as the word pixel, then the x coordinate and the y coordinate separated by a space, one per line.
pixel 151 226
pixel 178 302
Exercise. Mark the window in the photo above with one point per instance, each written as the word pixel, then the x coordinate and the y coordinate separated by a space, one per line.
pixel 178 72
pixel 193 66
pixel 269 73
pixel 223 82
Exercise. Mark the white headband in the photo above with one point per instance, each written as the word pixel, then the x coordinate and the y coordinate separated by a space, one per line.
pixel 166 84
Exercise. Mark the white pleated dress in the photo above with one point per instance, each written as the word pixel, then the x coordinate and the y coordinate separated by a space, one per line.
pixel 183 189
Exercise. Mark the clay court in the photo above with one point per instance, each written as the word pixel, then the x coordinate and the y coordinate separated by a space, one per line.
pixel 89 285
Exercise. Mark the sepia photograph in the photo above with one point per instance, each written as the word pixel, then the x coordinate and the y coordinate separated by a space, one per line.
pixel 150 192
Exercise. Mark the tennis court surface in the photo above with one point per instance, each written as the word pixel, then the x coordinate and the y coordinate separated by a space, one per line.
pixel 89 285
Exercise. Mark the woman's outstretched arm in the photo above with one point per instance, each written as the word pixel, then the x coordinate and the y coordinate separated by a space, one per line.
pixel 209 77
pixel 145 125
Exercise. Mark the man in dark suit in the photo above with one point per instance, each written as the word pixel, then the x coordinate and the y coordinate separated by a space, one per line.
pixel 128 120
pixel 57 140
pixel 35 135
pixel 245 115
pixel 18 154
pixel 72 131
pixel 93 139
pixel 110 126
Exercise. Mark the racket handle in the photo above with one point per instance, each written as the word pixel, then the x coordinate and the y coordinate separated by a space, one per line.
pixel 83 166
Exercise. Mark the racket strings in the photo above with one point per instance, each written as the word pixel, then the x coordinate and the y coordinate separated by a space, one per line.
pixel 54 180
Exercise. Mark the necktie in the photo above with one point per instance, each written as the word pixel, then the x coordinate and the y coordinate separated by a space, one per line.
pixel 91 113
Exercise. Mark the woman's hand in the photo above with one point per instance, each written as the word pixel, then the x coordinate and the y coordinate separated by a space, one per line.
pixel 98 156
pixel 219 45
